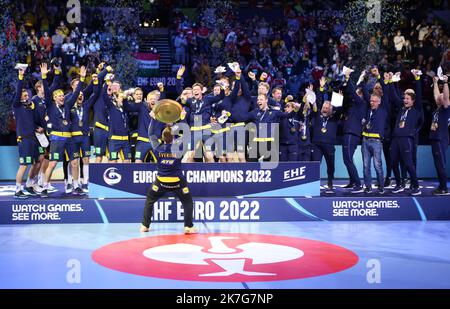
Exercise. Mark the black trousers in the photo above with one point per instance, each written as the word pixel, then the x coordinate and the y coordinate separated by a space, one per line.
pixel 439 148
pixel 325 150
pixel 159 189
pixel 402 150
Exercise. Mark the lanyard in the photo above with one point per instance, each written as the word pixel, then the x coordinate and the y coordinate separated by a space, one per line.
pixel 198 106
pixel 325 121
pixel 303 127
pixel 123 116
pixel 436 116
pixel 61 111
pixel 404 115
pixel 80 113
pixel 261 118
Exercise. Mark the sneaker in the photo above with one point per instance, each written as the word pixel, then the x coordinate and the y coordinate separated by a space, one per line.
pixel 349 186
pixel 69 188
pixel 358 189
pixel 190 230
pixel 78 191
pixel 387 182
pixel 440 192
pixel 85 188
pixel 51 188
pixel 329 189
pixel 415 191
pixel 20 195
pixel 144 229
pixel 368 190
pixel 398 189
pixel 381 191
pixel 38 189
pixel 29 191
pixel 44 193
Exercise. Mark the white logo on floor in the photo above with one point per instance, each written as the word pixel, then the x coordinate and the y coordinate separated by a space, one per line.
pixel 231 260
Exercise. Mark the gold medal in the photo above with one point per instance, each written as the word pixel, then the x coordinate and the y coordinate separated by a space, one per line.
pixel 401 125
pixel 80 123
pixel 434 126
pixel 324 130
pixel 65 122
pixel 304 137
pixel 293 130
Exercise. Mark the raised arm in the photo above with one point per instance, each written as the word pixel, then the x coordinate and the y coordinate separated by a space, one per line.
pixel 418 85
pixel 47 92
pixel 154 141
pixel 445 99
pixel 19 86
pixel 73 98
pixel 245 91
pixel 56 79
pixel 96 93
pixel 178 84
pixel 235 90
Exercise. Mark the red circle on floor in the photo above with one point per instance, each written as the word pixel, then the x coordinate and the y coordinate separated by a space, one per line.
pixel 225 257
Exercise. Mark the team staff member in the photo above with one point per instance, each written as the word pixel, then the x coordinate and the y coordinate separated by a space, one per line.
pixel 407 124
pixel 325 124
pixel 372 145
pixel 289 134
pixel 354 110
pixel 439 134
pixel 170 179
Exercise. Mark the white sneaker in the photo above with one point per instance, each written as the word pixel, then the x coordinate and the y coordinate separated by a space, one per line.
pixel 69 188
pixel 51 188
pixel 38 189
pixel 144 229
pixel 190 230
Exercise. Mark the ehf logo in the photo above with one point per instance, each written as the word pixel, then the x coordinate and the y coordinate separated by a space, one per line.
pixel 225 257
pixel 294 174
pixel 111 176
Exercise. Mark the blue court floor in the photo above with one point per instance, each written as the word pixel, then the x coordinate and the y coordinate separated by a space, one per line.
pixel 293 255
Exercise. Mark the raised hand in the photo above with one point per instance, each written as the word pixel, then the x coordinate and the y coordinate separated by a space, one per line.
pixel 44 68
pixel 181 70
pixel 264 76
pixel 83 71
pixel 322 81
pixel 252 75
